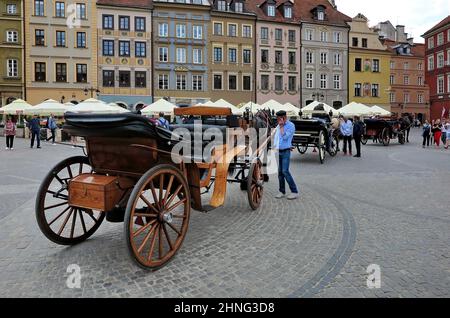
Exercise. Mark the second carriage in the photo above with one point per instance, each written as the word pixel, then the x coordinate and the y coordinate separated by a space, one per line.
pixel 384 130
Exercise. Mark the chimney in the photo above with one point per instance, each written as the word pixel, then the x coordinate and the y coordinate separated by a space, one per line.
pixel 401 35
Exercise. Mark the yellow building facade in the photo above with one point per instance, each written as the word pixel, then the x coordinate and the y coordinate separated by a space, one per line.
pixel 369 66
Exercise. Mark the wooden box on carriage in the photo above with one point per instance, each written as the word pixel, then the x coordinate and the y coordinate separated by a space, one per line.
pixel 97 192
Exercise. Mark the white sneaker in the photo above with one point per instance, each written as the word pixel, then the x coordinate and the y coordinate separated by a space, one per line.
pixel 11 149
pixel 293 196
pixel 280 196
pixel 6 148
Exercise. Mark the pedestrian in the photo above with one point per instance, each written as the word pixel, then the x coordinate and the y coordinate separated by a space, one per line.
pixel 358 131
pixel 426 134
pixel 444 132
pixel 162 121
pixel 35 127
pixel 51 124
pixel 436 130
pixel 10 133
pixel 447 132
pixel 283 143
pixel 347 132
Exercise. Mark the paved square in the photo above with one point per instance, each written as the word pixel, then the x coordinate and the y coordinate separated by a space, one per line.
pixel 391 208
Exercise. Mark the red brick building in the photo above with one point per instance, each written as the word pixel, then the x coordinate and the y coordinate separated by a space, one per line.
pixel 437 61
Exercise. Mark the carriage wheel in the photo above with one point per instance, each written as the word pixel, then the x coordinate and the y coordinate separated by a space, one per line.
pixel 364 140
pixel 255 185
pixel 321 145
pixel 302 149
pixel 157 216
pixel 385 137
pixel 333 146
pixel 59 222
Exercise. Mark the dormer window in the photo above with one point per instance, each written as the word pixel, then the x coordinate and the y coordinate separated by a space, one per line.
pixel 320 15
pixel 239 7
pixel 288 12
pixel 271 10
pixel 222 5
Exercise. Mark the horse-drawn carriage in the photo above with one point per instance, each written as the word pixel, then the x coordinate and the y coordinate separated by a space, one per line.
pixel 316 132
pixel 131 174
pixel 383 130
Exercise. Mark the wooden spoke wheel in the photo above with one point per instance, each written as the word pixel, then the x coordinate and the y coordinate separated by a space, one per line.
pixel 321 145
pixel 302 149
pixel 333 146
pixel 157 216
pixel 58 221
pixel 255 185
pixel 385 137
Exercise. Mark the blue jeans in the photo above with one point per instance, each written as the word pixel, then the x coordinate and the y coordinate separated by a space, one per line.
pixel 283 172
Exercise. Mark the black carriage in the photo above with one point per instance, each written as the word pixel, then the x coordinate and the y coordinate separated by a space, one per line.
pixel 384 130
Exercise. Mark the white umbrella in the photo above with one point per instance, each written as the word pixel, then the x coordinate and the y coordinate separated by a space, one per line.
pixel 69 104
pixel 290 109
pixel 15 108
pixel 224 103
pixel 160 106
pixel 377 110
pixel 272 104
pixel 93 105
pixel 310 108
pixel 355 109
pixel 46 108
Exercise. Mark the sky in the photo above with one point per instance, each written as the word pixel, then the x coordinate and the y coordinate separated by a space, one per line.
pixel 418 16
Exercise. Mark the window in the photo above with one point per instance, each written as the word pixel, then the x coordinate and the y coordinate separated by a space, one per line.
pixel 440 39
pixel 337 81
pixel 358 87
pixel 420 98
pixel 264 33
pixel 217 81
pixel 163 30
pixel 440 60
pixel 288 12
pixel 217 54
pixel 11 9
pixel 431 63
pixel 12 36
pixel 139 24
pixel 431 43
pixel 358 65
pixel 140 79
pixel 392 65
pixel 264 56
pixel 247 56
pixel 278 35
pixel 448 83
pixel 81 73
pixel 337 59
pixel 246 82
pixel 337 37
pixel 292 58
pixel 197 82
pixel 163 54
pixel 39 37
pixel 292 84
pixel 140 49
pixel 60 38
pixel 406 98
pixel 222 5
pixel 420 81
pixel 218 28
pixel 232 55
pixel 309 35
pixel 392 97
pixel 323 81
pixel 265 82
pixel 278 83
pixel 197 56
pixel 405 80
pixel 39 8
pixel 124 48
pixel 376 66
pixel 309 80
pixel 355 42
pixel 124 78
pixel 392 80
pixel 278 57
pixel 247 31
pixel 81 40
pixel 232 82
pixel 181 31
pixel 232 30
pixel 309 58
pixel 197 32
pixel 323 58
pixel 181 55
pixel 61 72
pixel 108 78
pixel 108 22
pixel 60 9
pixel 440 85
pixel 420 66
pixel 320 15
pixel 323 36
pixel 13 68
pixel 163 81
pixel 364 43
pixel 406 66
pixel 124 23
pixel 238 7
pixel 375 90
pixel 271 10
pixel 81 11
pixel 40 72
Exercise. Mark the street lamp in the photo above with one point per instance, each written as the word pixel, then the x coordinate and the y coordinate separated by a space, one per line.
pixel 92 90
pixel 318 96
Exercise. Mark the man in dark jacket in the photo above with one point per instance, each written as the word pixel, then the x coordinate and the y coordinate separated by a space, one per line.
pixel 358 131
pixel 35 128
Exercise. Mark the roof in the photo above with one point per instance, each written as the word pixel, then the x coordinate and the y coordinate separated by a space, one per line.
pixel 441 24
pixel 255 7
pixel 144 4
pixel 417 50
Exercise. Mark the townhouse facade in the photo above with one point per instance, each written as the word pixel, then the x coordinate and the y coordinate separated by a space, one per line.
pixel 277 52
pixel 369 66
pixel 233 55
pixel 437 60
pixel 181 51
pixel 61 50
pixel 125 52
pixel 324 51
pixel 11 51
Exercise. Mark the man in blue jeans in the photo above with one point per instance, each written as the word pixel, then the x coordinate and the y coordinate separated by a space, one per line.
pixel 283 143
pixel 35 128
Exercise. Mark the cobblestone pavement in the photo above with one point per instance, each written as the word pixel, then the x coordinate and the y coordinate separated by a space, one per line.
pixel 391 208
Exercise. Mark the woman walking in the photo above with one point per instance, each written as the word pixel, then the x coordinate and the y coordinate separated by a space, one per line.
pixel 426 134
pixel 447 132
pixel 10 133
pixel 437 132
